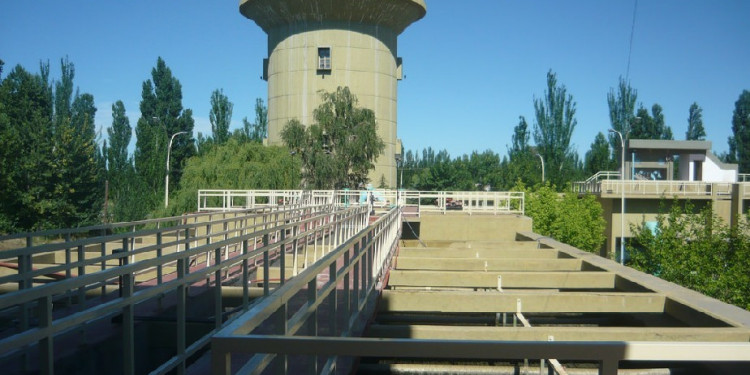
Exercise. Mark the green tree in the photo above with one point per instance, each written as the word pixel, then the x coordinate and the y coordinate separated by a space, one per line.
pixel 598 157
pixel 338 150
pixel 51 168
pixel 521 163
pixel 78 183
pixel 567 218
pixel 484 169
pixel 696 249
pixel 26 148
pixel 520 139
pixel 235 165
pixel 553 129
pixel 739 142
pixel 126 203
pixel 119 135
pixel 258 130
pixel 162 116
pixel 220 116
pixel 621 115
pixel 695 131
pixel 650 126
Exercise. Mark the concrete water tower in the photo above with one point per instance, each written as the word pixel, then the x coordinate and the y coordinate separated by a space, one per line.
pixel 318 45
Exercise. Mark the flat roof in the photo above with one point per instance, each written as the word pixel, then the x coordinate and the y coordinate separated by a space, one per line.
pixel 666 145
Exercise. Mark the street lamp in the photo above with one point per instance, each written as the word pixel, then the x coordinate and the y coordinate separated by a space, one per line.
pixel 622 198
pixel 542 159
pixel 166 178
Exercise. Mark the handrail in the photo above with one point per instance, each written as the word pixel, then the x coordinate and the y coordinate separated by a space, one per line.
pixel 414 202
pixel 607 353
pixel 667 187
pixel 353 272
pixel 254 238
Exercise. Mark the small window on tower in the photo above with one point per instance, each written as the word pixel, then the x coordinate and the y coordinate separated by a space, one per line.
pixel 324 58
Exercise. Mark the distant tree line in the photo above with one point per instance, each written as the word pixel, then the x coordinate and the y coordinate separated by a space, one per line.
pixel 54 174
pixel 553 126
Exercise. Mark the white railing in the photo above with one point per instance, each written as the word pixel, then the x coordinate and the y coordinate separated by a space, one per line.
pixel 667 188
pixel 414 202
pixel 593 183
pixel 743 177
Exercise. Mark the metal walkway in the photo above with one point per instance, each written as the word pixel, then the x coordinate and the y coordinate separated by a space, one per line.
pixel 115 290
pixel 291 282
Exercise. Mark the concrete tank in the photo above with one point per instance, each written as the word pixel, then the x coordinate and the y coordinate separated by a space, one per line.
pixel 316 45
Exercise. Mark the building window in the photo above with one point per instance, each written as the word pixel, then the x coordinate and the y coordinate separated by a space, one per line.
pixel 324 58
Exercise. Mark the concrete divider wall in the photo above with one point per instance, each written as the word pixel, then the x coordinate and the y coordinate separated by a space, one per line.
pixel 441 227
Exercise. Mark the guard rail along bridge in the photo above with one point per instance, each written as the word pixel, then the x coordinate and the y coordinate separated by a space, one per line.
pixel 346 281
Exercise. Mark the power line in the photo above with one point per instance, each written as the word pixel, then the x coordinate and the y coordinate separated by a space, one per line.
pixel 630 49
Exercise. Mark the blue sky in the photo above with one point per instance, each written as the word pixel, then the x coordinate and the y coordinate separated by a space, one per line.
pixel 472 67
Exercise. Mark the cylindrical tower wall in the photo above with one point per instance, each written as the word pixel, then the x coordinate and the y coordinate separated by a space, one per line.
pixel 362 57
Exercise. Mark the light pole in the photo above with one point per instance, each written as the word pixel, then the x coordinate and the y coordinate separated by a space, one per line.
pixel 399 165
pixel 622 197
pixel 166 178
pixel 542 159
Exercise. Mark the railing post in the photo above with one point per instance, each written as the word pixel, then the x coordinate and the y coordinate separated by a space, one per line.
pixel 128 318
pixel 266 266
pixel 347 290
pixel 282 256
pixel 312 321
pixel 81 272
pixel 158 255
pixel 181 313
pixel 46 347
pixel 356 275
pixel 332 300
pixel 217 290
pixel 608 367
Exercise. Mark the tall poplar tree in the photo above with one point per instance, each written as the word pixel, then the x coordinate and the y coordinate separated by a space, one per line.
pixel 553 129
pixel 739 142
pixel 162 116
pixel 257 130
pixel 695 131
pixel 621 115
pixel 220 116
pixel 119 134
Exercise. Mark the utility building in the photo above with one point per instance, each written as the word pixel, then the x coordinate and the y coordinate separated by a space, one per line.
pixel 316 45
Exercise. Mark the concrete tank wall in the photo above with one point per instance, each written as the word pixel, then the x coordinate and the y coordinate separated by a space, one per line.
pixel 363 57
pixel 472 228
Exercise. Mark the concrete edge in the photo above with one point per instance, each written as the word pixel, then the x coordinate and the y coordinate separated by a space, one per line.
pixel 730 314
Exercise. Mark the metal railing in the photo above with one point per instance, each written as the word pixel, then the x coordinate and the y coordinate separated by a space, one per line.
pixel 333 299
pixel 607 353
pixel 667 188
pixel 167 257
pixel 593 183
pixel 414 202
